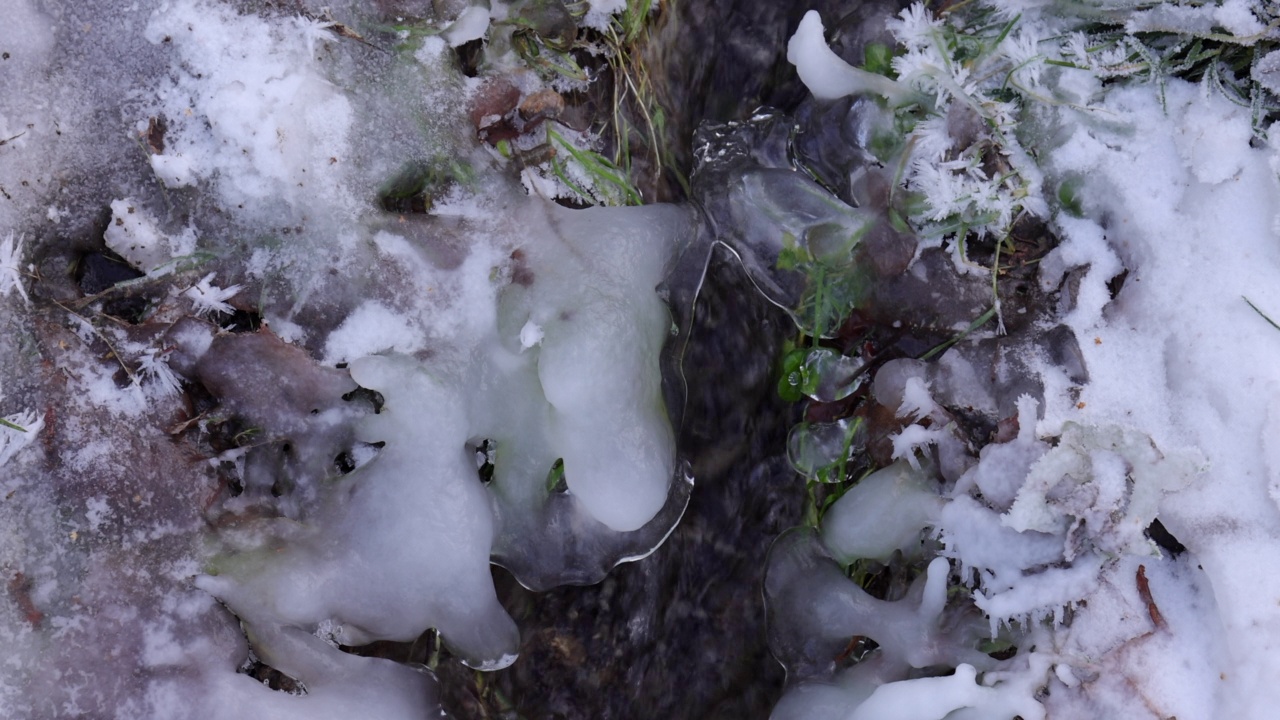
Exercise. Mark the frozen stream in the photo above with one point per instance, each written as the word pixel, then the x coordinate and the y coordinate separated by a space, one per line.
pixel 942 391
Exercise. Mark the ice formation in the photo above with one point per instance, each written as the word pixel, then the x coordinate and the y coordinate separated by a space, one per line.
pixel 323 482
pixel 341 501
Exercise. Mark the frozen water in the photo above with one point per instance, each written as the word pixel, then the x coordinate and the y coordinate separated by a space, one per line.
pixel 237 158
pixel 886 512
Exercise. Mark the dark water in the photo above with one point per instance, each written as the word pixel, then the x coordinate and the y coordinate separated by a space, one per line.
pixel 720 60
pixel 681 634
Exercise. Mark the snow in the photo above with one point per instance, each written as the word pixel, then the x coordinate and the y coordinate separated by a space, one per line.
pixel 1178 418
pixel 1184 355
pixel 249 107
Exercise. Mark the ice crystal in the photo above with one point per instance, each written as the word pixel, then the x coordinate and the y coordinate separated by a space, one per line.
pixel 1023 51
pixel 314 31
pixel 914 27
pixel 153 367
pixel 209 299
pixel 10 269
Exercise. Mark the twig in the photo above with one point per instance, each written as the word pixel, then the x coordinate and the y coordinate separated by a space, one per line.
pixel 132 377
pixel 1144 592
pixel 1264 315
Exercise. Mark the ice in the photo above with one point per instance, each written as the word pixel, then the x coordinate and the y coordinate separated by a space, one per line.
pixel 828 376
pixel 828 76
pixel 209 300
pixel 975 536
pixel 914 438
pixel 941 697
pixel 472 24
pixel 13 440
pixel 815 609
pixel 11 270
pixel 815 448
pixel 370 329
pixel 598 363
pixel 1003 467
pixel 885 512
pixel 135 236
pixel 431 479
pixel 916 400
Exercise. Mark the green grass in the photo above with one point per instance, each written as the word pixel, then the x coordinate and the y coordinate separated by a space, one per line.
pixel 610 184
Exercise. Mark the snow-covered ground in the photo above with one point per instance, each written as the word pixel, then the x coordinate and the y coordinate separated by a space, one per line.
pixel 1178 193
pixel 235 160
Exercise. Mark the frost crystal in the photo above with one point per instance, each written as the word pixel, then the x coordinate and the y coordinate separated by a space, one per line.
pixel 153 366
pixel 207 298
pixel 914 27
pixel 314 31
pixel 10 271
pixel 1023 51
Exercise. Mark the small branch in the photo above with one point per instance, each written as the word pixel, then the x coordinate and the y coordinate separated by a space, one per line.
pixel 1144 592
pixel 1264 315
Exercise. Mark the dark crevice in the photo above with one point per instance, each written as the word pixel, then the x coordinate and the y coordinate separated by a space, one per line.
pixel 364 395
pixel 1159 535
